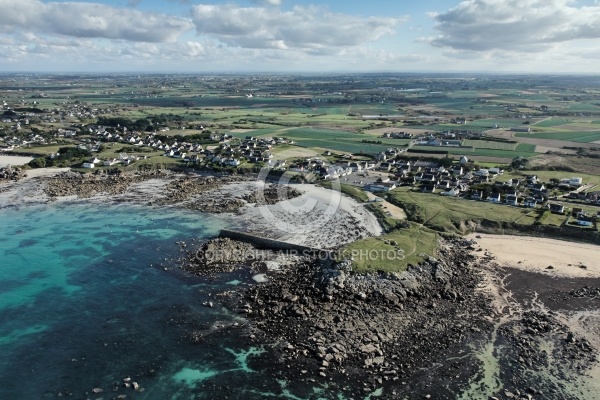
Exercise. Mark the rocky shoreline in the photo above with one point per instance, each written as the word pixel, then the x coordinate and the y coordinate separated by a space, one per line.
pixel 368 331
pixel 421 333
pixel 12 174
pixel 380 330
pixel 88 185
pixel 457 323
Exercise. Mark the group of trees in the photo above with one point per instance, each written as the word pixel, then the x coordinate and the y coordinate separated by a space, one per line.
pixel 142 124
pixel 67 157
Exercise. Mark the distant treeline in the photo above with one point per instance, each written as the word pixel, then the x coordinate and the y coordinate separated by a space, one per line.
pixel 492 139
pixel 143 124
pixel 34 110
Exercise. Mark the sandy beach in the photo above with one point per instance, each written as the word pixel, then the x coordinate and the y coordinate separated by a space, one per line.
pixel 534 254
pixel 13 160
pixel 44 172
pixel 556 306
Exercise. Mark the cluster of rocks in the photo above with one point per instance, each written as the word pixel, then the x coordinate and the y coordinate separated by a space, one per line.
pixel 11 174
pixel 592 293
pixel 127 383
pixel 87 185
pixel 377 330
pixel 182 189
pixel 217 206
pixel 527 354
pixel 272 194
pixel 218 255
pixel 412 333
pixel 197 193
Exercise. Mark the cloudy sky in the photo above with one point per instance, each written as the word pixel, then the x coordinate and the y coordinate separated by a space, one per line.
pixel 300 36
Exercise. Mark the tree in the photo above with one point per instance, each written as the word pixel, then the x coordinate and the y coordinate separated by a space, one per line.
pixel 519 163
pixel 446 162
pixel 39 162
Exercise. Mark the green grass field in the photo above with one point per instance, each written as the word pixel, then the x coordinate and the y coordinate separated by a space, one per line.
pixel 488 123
pixel 41 150
pixel 551 122
pixel 373 254
pixel 582 137
pixel 522 150
pixel 485 144
pixel 335 140
pixel 448 214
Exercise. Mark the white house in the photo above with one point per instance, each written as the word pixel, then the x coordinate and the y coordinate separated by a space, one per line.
pixel 530 202
pixel 494 198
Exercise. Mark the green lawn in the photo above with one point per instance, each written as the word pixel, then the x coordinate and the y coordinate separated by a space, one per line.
pixel 154 162
pixel 373 254
pixel 548 218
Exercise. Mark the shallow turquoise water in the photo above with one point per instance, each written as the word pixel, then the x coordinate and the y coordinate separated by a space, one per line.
pixel 81 306
pixel 85 302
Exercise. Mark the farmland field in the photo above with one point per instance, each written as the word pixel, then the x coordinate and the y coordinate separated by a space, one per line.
pixel 347 146
pixel 522 150
pixel 551 122
pixel 336 140
pixel 485 144
pixel 582 137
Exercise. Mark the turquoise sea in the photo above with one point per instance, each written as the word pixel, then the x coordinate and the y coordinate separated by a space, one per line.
pixel 85 302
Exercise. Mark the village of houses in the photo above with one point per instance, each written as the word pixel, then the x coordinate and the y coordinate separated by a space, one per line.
pixel 382 172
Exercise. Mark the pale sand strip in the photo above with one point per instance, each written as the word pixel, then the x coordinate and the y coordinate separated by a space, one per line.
pixel 13 160
pixel 536 254
pixel 51 171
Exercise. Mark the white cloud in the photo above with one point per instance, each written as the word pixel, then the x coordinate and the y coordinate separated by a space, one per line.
pixel 312 28
pixel 518 25
pixel 268 2
pixel 89 20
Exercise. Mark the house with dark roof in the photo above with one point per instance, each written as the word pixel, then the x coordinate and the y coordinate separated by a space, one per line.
pixel 530 202
pixel 512 200
pixel 494 198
